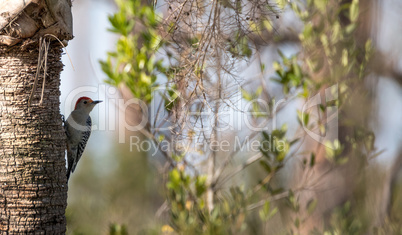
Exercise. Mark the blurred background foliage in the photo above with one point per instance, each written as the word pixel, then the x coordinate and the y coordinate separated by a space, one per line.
pixel 189 51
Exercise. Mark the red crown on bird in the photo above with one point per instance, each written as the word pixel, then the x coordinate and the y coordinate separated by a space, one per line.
pixel 82 98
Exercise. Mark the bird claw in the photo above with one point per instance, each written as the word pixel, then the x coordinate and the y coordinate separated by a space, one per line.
pixel 63 119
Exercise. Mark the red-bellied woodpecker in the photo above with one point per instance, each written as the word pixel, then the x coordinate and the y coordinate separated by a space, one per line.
pixel 78 129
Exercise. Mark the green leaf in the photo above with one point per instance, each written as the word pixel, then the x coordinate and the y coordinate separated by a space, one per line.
pixel 200 185
pixel 174 179
pixel 268 25
pixel 281 3
pixel 336 29
pixel 311 205
pixel 312 159
pixel 281 54
pixel 262 67
pixel 265 165
pixel 344 57
pixel 276 66
pixel 227 3
pixel 350 28
pixel 116 229
pixel 368 48
pixel 246 95
pixel 354 10
pixel 297 222
pixel 258 91
pixel 306 118
pixel 266 207
pixel 321 5
pixel 294 141
pixel 308 30
pixel 303 118
pixel 238 5
pixel 264 213
pixel 272 213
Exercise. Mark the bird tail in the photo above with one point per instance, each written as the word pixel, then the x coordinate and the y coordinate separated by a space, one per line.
pixel 70 162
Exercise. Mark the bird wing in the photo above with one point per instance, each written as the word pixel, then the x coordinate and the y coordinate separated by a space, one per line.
pixel 65 125
pixel 83 143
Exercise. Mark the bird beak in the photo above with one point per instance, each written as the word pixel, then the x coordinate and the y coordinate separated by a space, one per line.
pixel 96 102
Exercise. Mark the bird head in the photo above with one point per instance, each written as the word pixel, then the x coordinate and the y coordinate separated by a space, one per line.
pixel 86 104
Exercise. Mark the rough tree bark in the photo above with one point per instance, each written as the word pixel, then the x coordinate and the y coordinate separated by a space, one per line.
pixel 33 189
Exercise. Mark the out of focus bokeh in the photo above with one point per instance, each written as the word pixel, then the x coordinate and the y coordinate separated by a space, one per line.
pixel 241 117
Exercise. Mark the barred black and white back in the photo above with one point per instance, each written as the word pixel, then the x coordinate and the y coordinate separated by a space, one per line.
pixel 77 150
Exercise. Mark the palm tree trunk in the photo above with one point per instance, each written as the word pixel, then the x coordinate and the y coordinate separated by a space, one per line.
pixel 33 189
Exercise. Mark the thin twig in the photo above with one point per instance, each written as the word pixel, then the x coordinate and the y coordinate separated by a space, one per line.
pixel 64 47
pixel 39 65
pixel 46 51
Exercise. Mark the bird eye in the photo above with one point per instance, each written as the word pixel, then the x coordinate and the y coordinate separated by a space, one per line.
pixel 85 102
